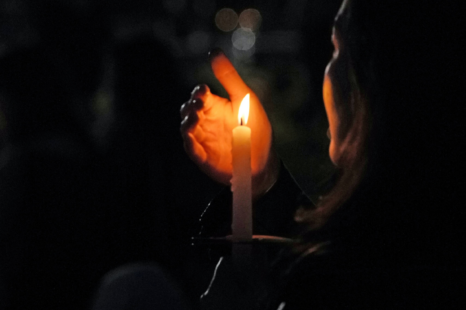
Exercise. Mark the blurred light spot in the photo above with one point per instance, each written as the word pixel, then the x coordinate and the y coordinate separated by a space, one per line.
pixel 243 39
pixel 243 56
pixel 174 6
pixel 204 7
pixel 102 102
pixel 226 19
pixel 198 42
pixel 250 19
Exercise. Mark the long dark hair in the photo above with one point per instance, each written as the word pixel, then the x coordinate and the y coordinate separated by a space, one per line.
pixel 404 186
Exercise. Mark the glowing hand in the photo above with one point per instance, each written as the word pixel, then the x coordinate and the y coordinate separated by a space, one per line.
pixel 208 121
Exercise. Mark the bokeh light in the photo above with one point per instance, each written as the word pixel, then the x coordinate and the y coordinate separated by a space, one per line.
pixel 243 56
pixel 226 19
pixel 250 19
pixel 243 39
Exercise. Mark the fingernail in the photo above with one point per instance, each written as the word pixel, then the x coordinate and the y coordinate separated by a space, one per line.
pixel 202 89
pixel 195 89
pixel 199 90
pixel 213 53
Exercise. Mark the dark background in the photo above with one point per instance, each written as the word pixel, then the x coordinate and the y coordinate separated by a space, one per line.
pixel 284 66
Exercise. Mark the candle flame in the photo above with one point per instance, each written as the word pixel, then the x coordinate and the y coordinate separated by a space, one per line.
pixel 243 112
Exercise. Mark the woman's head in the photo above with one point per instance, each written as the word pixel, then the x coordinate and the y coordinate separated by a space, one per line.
pixel 391 59
pixel 392 94
pixel 344 102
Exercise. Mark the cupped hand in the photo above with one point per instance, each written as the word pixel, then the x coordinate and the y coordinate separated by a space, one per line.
pixel 208 121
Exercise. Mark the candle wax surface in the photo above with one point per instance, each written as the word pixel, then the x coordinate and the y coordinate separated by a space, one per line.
pixel 241 184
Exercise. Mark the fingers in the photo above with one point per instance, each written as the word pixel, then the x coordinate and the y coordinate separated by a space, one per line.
pixel 188 126
pixel 203 93
pixel 192 106
pixel 189 121
pixel 199 96
pixel 190 118
pixel 199 91
pixel 227 75
pixel 192 114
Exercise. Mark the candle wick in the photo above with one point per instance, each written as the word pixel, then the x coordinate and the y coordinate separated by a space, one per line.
pixel 241 121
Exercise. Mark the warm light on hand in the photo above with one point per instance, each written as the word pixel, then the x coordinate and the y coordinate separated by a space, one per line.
pixel 208 121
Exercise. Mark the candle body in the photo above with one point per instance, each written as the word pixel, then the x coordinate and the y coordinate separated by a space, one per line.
pixel 241 184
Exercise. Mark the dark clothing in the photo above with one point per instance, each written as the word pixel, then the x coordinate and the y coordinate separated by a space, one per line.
pixel 347 264
pixel 315 283
pixel 365 257
pixel 246 286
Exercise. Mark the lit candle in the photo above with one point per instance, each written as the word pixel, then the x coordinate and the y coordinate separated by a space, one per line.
pixel 241 180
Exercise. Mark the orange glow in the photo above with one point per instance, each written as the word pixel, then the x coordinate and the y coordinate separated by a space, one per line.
pixel 243 112
pixel 209 142
pixel 227 75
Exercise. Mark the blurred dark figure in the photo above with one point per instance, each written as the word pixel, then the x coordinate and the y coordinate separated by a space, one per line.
pixel 144 142
pixel 70 210
pixel 156 181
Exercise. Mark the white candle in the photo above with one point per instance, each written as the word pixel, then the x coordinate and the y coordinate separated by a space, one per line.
pixel 241 180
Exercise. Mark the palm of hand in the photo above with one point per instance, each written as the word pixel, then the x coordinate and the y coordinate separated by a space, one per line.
pixel 208 123
pixel 213 134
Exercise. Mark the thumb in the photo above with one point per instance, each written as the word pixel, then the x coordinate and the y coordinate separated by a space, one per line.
pixel 227 75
